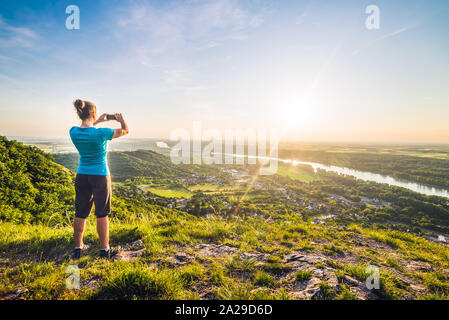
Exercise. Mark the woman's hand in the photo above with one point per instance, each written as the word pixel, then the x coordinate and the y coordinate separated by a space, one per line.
pixel 119 117
pixel 100 119
pixel 123 130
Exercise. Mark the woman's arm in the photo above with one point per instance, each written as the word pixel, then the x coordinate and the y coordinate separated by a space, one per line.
pixel 124 129
pixel 101 119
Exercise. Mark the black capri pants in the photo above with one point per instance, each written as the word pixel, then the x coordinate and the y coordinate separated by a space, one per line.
pixel 90 189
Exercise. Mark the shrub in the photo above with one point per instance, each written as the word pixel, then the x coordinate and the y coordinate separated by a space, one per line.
pixel 139 282
pixel 327 292
pixel 263 279
pixel 191 273
pixel 303 275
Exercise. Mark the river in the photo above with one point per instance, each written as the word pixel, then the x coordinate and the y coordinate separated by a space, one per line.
pixel 375 177
pixel 366 176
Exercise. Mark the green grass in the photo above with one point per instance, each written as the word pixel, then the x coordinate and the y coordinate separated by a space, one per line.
pixel 297 173
pixel 346 294
pixel 35 257
pixel 236 264
pixel 214 188
pixel 170 193
pixel 191 273
pixel 137 281
pixel 264 279
pixel 327 292
pixel 303 275
pixel 276 267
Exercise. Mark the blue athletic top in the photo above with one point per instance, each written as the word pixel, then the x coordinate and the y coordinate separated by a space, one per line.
pixel 92 145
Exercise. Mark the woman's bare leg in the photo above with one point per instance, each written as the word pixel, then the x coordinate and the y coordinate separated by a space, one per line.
pixel 103 232
pixel 79 225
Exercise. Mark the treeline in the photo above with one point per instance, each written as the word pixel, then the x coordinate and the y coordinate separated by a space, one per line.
pixel 141 163
pixel 429 171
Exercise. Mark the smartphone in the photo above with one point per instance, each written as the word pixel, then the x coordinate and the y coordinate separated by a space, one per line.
pixel 110 117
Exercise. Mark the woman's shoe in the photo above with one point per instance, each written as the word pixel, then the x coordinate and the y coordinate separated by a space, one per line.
pixel 107 254
pixel 76 254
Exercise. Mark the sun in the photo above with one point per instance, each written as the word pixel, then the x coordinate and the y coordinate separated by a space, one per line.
pixel 296 113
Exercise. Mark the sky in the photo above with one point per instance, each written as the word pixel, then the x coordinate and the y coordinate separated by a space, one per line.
pixel 311 69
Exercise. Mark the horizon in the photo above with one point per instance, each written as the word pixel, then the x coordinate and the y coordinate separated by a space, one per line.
pixel 320 142
pixel 308 68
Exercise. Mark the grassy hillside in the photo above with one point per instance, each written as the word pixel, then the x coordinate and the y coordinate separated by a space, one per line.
pixel 32 187
pixel 257 240
pixel 182 256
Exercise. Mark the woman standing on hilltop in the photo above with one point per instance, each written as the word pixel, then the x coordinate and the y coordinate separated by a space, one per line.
pixel 93 181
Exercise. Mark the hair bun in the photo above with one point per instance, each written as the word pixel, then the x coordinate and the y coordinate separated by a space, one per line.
pixel 79 104
pixel 84 108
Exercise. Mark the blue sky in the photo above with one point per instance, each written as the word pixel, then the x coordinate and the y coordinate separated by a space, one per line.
pixel 311 68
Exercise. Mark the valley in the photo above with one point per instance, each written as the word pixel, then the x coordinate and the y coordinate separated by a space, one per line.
pixel 219 232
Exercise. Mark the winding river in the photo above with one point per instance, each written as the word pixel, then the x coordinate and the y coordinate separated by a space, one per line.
pixel 375 177
pixel 366 176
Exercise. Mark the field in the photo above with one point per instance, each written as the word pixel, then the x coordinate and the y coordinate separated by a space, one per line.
pixel 169 193
pixel 299 173
pixel 416 150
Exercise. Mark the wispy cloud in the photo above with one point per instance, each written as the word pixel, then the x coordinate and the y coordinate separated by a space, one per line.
pixel 185 26
pixel 7 59
pixel 385 36
pixel 304 14
pixel 175 76
pixel 12 36
pixel 423 19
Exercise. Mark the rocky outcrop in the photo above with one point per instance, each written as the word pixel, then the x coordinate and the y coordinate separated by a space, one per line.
pixel 129 251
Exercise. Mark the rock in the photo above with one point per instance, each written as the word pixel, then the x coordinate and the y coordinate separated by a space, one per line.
pixel 208 296
pixel 212 250
pixel 21 291
pixel 294 257
pixel 130 251
pixel 303 261
pixel 129 255
pixel 253 255
pixel 351 281
pixel 419 266
pixel 15 295
pixel 318 273
pixel 330 278
pixel 311 288
pixel 136 245
pixel 419 288
pixel 362 293
pixel 182 257
pixel 92 284
pixel 359 289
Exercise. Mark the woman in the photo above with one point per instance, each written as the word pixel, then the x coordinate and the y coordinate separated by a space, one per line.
pixel 93 181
